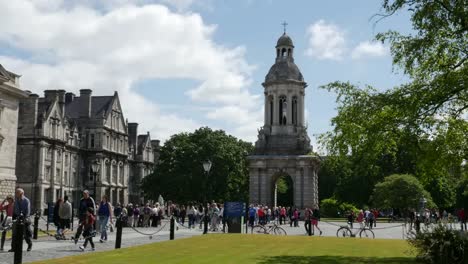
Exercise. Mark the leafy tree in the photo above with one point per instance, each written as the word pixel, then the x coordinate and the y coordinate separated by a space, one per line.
pixel 435 57
pixel 180 176
pixel 400 191
pixel 418 128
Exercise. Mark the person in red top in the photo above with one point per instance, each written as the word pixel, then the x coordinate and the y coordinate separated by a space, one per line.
pixel 462 218
pixel 283 215
pixel 261 215
pixel 8 206
pixel 376 214
pixel 88 226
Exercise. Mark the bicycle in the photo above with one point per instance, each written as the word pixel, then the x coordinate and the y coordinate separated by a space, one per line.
pixel 346 231
pixel 268 229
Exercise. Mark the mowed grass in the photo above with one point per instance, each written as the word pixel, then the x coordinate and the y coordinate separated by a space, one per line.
pixel 239 249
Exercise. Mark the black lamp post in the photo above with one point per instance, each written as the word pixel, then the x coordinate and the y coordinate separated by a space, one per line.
pixel 207 167
pixel 95 166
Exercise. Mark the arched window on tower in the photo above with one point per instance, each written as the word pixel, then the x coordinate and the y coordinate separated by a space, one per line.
pixel 289 53
pixel 271 110
pixel 294 110
pixel 284 53
pixel 277 52
pixel 283 109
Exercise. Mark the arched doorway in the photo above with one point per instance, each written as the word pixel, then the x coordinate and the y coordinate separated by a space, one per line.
pixel 283 191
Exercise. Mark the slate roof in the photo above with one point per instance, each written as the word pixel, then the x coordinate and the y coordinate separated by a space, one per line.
pixel 141 141
pixel 282 70
pixel 284 40
pixel 98 105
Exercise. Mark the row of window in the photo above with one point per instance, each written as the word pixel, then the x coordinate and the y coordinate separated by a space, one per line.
pixel 283 110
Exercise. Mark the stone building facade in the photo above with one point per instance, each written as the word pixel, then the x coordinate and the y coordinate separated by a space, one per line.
pixel 10 94
pixel 143 155
pixel 61 136
pixel 283 146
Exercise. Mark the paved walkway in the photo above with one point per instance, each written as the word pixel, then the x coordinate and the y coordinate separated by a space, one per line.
pixel 48 247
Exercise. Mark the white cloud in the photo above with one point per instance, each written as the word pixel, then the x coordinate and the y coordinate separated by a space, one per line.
pixel 76 46
pixel 326 41
pixel 369 49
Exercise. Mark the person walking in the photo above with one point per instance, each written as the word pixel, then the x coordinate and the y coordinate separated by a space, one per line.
pixel 191 216
pixel 105 214
pixel 22 208
pixel 315 220
pixel 85 203
pixel 462 218
pixel 8 206
pixel 88 226
pixel 56 218
pixel 65 214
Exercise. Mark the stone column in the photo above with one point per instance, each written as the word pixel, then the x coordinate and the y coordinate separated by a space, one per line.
pixel 267 110
pixel 275 110
pixel 253 185
pixel 53 173
pixel 300 109
pixel 62 174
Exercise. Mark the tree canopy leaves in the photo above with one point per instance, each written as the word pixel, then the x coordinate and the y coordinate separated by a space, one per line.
pixel 180 175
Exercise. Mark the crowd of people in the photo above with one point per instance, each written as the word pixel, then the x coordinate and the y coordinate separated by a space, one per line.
pixel 262 215
pixel 16 208
pixel 96 218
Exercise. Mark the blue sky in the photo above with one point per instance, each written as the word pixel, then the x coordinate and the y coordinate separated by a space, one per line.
pixel 182 64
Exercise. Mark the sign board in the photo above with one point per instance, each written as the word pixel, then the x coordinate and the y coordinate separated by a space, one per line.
pixel 50 212
pixel 234 209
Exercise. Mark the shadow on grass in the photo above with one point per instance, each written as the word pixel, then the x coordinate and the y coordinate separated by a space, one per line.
pixel 332 260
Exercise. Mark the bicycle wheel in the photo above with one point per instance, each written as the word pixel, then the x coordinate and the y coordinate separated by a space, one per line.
pixel 366 233
pixel 258 229
pixel 279 231
pixel 343 232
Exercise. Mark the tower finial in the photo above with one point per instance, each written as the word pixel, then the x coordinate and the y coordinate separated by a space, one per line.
pixel 284 26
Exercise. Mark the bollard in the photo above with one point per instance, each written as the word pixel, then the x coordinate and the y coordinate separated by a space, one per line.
pixel 118 237
pixel 3 239
pixel 310 227
pixel 205 227
pixel 36 225
pixel 18 240
pixel 171 230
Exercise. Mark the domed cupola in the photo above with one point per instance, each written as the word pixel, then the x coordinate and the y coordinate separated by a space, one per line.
pixel 284 68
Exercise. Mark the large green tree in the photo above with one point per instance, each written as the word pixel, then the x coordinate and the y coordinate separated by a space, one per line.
pixel 180 175
pixel 400 191
pixel 417 128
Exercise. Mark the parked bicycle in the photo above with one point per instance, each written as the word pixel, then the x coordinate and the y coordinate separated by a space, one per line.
pixel 346 231
pixel 268 229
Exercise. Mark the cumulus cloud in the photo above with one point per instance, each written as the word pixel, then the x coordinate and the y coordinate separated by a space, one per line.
pixel 75 46
pixel 369 49
pixel 326 41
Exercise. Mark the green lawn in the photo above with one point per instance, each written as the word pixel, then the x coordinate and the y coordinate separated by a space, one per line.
pixel 239 249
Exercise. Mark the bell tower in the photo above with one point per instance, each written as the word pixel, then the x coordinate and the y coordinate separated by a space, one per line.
pixel 283 147
pixel 284 131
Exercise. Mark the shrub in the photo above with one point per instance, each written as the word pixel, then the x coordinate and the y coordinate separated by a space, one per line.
pixel 333 208
pixel 441 245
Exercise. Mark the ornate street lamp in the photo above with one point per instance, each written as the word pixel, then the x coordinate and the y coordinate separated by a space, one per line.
pixel 422 203
pixel 95 167
pixel 207 167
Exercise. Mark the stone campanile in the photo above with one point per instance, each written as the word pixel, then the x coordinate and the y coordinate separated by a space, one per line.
pixel 283 146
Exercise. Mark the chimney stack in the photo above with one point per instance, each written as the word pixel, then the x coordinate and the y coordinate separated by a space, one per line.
pixel 69 97
pixel 61 101
pixel 133 134
pixel 51 95
pixel 85 100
